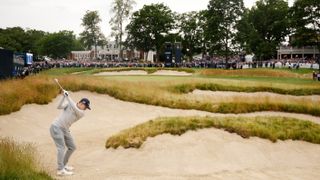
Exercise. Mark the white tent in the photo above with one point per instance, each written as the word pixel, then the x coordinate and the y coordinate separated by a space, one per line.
pixel 249 58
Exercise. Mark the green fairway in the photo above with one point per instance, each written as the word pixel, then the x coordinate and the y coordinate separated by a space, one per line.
pixel 298 71
pixel 282 80
pixel 296 79
pixel 65 71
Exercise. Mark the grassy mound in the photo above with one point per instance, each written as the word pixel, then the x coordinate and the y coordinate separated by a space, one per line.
pixel 272 128
pixel 17 161
pixel 186 88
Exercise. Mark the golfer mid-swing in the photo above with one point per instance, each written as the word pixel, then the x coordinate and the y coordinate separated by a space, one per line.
pixel 60 133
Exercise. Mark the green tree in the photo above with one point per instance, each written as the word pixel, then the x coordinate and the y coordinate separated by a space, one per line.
pixel 78 45
pixel 33 38
pixel 20 40
pixel 222 18
pixel 92 35
pixel 121 10
pixel 149 26
pixel 57 45
pixel 13 39
pixel 305 19
pixel 264 27
pixel 190 27
pixel 245 32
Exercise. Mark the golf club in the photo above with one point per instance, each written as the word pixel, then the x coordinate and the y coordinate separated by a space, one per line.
pixel 56 80
pixel 64 91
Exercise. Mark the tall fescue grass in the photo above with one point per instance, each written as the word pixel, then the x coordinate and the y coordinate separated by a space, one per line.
pixel 18 161
pixel 272 128
pixel 189 87
pixel 16 93
pixel 256 73
pixel 41 90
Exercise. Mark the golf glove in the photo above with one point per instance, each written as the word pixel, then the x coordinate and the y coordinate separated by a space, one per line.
pixel 65 93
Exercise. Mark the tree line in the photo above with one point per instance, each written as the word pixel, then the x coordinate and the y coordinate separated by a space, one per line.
pixel 40 43
pixel 225 28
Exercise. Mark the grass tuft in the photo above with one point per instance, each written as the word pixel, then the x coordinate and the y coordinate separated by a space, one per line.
pixel 18 161
pixel 272 128
pixel 15 93
pixel 189 87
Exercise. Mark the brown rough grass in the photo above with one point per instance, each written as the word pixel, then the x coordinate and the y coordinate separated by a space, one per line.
pixel 272 128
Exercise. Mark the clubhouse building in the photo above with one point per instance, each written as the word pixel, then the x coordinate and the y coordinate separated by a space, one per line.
pixel 289 52
pixel 110 52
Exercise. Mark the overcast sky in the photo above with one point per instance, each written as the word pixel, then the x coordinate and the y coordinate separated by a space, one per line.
pixel 55 15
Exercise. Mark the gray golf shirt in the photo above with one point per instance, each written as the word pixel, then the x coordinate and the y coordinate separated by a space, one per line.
pixel 70 114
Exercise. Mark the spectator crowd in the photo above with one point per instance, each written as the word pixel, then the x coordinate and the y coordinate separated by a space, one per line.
pixel 213 62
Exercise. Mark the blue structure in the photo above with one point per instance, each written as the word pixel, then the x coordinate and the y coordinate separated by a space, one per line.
pixel 172 54
pixel 29 59
pixel 12 64
pixel 178 53
pixel 168 54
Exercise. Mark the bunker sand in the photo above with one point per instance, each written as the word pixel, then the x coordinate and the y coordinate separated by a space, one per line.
pixel 203 154
pixel 140 72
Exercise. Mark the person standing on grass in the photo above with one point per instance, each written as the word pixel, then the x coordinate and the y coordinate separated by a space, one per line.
pixel 60 132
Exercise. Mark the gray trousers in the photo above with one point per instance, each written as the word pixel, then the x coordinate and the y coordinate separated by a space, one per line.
pixel 62 138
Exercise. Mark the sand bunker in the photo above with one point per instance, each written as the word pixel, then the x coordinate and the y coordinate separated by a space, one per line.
pixel 171 73
pixel 203 154
pixel 140 72
pixel 76 73
pixel 122 73
pixel 225 96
